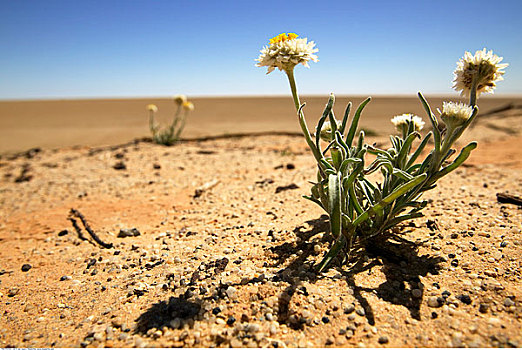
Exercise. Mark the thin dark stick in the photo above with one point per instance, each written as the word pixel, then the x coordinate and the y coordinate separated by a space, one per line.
pixel 79 215
pixel 93 151
pixel 509 198
pixel 77 229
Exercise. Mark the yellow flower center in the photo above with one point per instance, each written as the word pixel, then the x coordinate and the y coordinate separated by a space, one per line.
pixel 283 37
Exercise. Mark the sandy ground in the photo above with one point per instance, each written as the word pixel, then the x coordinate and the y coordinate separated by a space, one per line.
pixel 55 124
pixel 232 265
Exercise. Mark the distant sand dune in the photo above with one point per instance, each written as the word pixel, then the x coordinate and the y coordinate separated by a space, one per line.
pixel 60 123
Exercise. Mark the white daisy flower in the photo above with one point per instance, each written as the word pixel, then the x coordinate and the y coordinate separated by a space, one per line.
pixel 180 99
pixel 485 66
pixel 455 114
pixel 152 108
pixel 285 51
pixel 402 121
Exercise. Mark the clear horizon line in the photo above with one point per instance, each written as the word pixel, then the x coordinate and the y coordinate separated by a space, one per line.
pixel 232 96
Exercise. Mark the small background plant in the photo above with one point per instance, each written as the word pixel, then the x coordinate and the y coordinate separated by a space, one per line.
pixel 362 212
pixel 170 135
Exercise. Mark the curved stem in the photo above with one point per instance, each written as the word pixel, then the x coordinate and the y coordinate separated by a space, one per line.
pixel 293 87
pixel 473 92
pixel 302 122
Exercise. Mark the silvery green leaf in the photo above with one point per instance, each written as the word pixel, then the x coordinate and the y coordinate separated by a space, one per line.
pixel 355 121
pixel 419 149
pixel 326 112
pixel 463 155
pixel 334 204
pixel 434 122
pixel 345 118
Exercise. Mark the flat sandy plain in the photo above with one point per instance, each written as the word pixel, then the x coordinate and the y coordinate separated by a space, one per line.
pixel 227 245
pixel 59 123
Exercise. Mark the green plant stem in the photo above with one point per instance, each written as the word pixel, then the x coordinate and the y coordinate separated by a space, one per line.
pixel 473 92
pixel 302 121
pixel 293 88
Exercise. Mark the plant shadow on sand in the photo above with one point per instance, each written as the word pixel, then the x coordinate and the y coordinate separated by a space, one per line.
pixel 401 265
pixel 162 313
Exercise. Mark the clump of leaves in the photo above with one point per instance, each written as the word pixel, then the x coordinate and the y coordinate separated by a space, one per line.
pixel 360 210
pixel 172 133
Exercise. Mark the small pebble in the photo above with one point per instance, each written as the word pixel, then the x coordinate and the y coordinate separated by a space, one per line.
pixel 383 339
pixel 129 232
pixel 231 292
pixel 464 298
pixel 26 267
pixel 349 309
pixel 483 308
pixel 433 302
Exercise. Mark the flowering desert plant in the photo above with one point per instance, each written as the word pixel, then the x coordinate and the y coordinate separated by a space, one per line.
pixel 170 135
pixel 361 210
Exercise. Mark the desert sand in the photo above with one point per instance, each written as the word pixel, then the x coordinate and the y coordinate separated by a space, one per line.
pixel 62 123
pixel 210 244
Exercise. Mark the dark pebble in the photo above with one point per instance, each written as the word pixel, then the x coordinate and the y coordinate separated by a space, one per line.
pixel 129 232
pixel 12 292
pixel 156 166
pixel 383 339
pixel 325 319
pixel 503 244
pixel 290 166
pixel 483 308
pixel 434 315
pixel 26 267
pixel 63 233
pixel 231 320
pixel 446 294
pixel 216 310
pixel 91 263
pixel 464 298
pixel 454 235
pixel 454 263
pixel 120 166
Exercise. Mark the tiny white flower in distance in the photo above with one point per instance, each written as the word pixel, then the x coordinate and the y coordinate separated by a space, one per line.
pixel 485 65
pixel 180 99
pixel 326 131
pixel 401 122
pixel 152 108
pixel 285 51
pixel 455 114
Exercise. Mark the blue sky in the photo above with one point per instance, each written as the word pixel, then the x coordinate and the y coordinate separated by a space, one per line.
pixel 66 49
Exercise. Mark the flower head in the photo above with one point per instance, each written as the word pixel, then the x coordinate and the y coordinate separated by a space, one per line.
pixel 403 121
pixel 455 114
pixel 152 108
pixel 188 106
pixel 285 51
pixel 484 66
pixel 180 99
pixel 326 133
